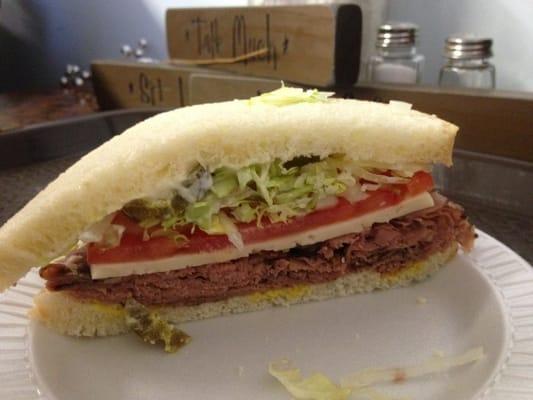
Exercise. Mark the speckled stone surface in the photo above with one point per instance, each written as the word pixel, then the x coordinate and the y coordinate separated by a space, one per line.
pixel 19 185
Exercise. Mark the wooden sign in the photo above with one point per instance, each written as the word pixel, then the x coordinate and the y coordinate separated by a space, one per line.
pixel 492 122
pixel 209 88
pixel 121 84
pixel 315 45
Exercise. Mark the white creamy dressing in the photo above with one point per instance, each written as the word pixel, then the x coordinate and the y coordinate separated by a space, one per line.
pixel 319 234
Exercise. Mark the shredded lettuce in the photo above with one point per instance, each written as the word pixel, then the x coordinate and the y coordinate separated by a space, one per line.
pixel 290 95
pixel 270 190
pixel 103 232
pixel 360 385
pixel 214 201
pixel 231 230
pixel 433 365
pixel 316 387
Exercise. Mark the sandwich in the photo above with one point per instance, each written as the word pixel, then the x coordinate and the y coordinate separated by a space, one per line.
pixel 215 209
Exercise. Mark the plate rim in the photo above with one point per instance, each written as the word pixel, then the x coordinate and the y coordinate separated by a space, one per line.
pixel 508 273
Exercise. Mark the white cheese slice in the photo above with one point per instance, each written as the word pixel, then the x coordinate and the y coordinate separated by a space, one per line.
pixel 354 225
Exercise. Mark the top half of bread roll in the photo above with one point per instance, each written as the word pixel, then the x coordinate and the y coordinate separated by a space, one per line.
pixel 153 154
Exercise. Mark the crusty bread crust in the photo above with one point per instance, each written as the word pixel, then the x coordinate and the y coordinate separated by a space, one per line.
pixel 69 316
pixel 152 155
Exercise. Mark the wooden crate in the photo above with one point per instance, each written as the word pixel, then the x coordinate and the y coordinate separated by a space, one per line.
pixel 127 84
pixel 492 122
pixel 316 45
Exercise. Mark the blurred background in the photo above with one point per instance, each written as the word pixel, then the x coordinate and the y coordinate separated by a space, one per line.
pixel 38 38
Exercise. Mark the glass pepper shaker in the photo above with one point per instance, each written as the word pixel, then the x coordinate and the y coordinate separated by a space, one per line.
pixel 396 59
pixel 467 63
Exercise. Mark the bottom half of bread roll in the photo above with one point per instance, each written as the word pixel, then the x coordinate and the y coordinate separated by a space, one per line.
pixel 385 255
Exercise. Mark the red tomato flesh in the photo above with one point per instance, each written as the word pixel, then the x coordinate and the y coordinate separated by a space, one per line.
pixel 133 248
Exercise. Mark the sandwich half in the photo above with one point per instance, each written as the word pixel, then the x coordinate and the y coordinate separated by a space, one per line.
pixel 230 207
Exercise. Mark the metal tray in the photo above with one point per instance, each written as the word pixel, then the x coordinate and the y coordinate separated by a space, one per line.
pixel 496 192
pixel 52 140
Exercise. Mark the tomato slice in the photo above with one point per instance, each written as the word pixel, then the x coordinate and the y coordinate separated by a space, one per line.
pixel 133 248
pixel 420 182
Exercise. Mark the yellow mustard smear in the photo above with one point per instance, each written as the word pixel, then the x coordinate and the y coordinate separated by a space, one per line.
pixel 415 271
pixel 274 295
pixel 109 309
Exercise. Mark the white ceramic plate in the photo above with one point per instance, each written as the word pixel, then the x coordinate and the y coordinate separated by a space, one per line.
pixel 481 299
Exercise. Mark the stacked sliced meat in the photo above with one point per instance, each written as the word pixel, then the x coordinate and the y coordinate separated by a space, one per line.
pixel 385 247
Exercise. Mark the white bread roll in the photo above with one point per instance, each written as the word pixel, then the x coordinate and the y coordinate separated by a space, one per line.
pixel 152 154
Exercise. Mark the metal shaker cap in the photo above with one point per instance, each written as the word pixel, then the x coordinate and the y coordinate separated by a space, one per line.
pixel 397 34
pixel 467 47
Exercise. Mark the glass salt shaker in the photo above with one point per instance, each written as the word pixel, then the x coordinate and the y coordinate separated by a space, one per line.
pixel 396 59
pixel 467 63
